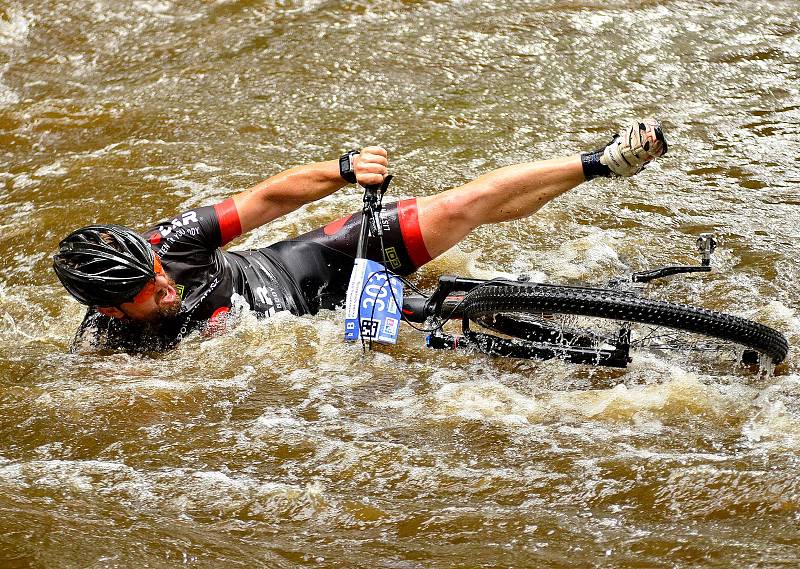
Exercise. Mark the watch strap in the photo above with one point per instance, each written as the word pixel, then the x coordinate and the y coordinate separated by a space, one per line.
pixel 346 170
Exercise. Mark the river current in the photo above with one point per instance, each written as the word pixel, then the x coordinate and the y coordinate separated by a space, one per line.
pixel 277 444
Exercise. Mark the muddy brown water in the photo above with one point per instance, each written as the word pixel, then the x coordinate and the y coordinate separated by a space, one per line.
pixel 277 445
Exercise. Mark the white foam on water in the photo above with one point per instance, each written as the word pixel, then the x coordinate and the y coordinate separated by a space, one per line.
pixel 485 400
pixel 781 316
pixel 17 218
pixel 181 185
pixel 710 489
pixel 403 401
pixel 11 475
pixel 684 393
pixel 115 149
pixel 203 167
pixel 582 257
pixel 272 420
pixel 68 475
pixel 15 27
pixel 593 23
pixel 25 319
pixel 7 95
pixel 56 169
pixel 22 181
pixel 140 379
pixel 175 490
pixel 300 378
pixel 327 410
pixel 158 7
pixel 102 381
pixel 646 406
pixel 775 425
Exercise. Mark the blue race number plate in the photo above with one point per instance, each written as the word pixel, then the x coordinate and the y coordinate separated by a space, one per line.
pixel 374 298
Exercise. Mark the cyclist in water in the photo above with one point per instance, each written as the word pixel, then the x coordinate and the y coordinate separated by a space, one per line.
pixel 147 291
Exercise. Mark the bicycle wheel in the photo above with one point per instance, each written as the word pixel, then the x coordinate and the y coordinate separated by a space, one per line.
pixel 536 313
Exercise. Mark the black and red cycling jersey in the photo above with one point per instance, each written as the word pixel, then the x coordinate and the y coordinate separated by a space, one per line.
pixel 300 275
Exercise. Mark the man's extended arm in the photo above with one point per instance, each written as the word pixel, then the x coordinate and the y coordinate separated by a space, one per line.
pixel 290 190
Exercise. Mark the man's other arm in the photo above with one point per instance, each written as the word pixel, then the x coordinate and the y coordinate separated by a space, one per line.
pixel 293 188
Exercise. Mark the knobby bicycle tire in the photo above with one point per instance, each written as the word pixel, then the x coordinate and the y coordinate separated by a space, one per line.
pixel 489 300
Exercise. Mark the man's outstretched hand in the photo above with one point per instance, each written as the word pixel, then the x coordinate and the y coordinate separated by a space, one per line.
pixel 371 166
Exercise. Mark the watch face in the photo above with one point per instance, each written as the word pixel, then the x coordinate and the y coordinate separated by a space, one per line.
pixel 346 167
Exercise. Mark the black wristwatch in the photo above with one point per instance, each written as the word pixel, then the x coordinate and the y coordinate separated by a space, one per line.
pixel 346 170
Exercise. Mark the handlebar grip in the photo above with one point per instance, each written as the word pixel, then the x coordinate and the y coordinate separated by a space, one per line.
pixel 379 188
pixel 414 308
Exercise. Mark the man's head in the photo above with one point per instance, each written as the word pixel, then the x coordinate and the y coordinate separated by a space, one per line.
pixel 113 269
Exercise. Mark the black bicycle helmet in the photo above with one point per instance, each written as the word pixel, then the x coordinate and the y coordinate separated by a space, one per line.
pixel 104 265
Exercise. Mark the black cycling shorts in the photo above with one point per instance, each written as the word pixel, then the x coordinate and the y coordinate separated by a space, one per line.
pixel 321 261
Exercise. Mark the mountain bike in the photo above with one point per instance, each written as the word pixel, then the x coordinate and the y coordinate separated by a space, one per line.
pixel 581 324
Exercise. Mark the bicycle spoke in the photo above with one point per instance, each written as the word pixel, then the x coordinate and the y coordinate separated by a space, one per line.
pixel 659 338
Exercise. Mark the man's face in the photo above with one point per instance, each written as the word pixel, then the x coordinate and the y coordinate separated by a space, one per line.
pixel 158 299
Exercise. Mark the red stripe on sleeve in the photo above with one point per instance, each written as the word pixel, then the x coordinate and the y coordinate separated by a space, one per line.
pixel 411 232
pixel 228 217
